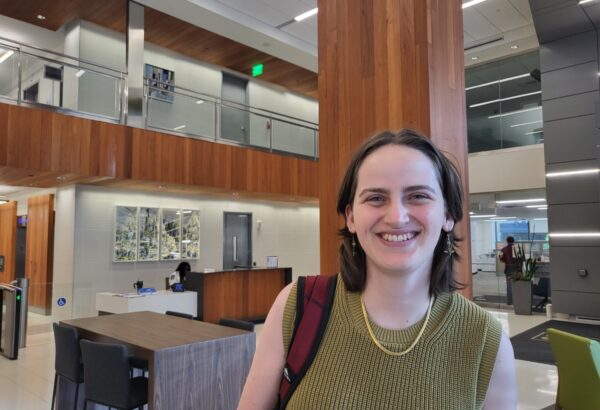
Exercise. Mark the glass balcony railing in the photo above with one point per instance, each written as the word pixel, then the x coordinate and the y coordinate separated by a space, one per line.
pixel 175 109
pixel 35 76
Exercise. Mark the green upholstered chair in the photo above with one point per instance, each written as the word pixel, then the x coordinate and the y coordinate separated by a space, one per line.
pixel 578 362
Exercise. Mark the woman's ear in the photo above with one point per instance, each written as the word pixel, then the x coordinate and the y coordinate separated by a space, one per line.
pixel 350 219
pixel 448 224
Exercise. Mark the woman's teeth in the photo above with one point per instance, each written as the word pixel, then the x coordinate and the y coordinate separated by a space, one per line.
pixel 398 238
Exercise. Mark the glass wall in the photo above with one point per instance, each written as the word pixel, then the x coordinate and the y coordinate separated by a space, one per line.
pixel 494 217
pixel 504 103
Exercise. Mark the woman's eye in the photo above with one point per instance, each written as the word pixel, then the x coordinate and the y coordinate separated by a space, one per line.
pixel 419 196
pixel 375 199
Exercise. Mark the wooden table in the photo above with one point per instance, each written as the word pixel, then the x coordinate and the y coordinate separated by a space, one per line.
pixel 192 365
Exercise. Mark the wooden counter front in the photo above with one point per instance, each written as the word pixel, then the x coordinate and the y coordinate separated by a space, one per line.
pixel 239 294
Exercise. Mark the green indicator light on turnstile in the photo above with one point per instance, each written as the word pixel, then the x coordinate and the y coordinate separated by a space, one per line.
pixel 18 297
pixel 257 70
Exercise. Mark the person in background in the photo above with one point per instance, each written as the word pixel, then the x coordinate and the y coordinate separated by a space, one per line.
pixel 179 275
pixel 507 255
pixel 397 336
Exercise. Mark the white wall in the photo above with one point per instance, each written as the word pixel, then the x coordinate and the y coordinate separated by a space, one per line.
pixel 289 231
pixel 64 238
pixel 508 169
pixel 31 34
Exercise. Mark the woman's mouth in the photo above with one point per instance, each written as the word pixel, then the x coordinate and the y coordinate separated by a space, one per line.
pixel 398 238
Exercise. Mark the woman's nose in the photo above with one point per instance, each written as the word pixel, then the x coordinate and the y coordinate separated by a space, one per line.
pixel 397 213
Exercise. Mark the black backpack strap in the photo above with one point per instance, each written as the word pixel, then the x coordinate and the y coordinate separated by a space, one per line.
pixel 314 302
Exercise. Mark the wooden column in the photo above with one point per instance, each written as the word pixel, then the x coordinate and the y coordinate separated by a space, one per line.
pixel 39 252
pixel 8 240
pixel 388 64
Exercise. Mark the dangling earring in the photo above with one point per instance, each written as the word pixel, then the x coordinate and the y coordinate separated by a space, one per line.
pixel 353 246
pixel 449 245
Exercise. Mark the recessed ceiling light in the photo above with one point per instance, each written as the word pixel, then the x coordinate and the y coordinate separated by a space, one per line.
pixel 41 17
pixel 474 58
pixel 180 127
pixel 235 194
pixel 522 201
pixel 200 102
pixel 584 1
pixel 514 46
pixel 307 14
pixel 79 73
pixel 472 3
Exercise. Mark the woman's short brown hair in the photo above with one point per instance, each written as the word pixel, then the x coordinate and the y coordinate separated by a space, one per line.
pixel 354 268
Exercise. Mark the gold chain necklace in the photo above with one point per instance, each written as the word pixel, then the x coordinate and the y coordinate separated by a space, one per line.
pixel 379 345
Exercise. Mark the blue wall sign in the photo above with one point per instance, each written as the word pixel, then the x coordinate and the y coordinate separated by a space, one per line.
pixel 61 301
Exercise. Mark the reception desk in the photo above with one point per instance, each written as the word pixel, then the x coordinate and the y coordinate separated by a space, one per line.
pixel 159 302
pixel 245 294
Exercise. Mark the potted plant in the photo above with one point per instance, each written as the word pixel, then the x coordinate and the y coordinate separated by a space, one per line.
pixel 521 284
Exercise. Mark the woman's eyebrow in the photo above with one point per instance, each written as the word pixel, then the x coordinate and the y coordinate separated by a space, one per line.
pixel 413 188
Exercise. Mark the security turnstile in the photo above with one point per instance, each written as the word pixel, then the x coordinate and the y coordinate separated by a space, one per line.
pixel 23 284
pixel 10 320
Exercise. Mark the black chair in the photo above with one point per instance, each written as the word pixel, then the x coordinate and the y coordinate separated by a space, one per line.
pixel 179 314
pixel 107 380
pixel 238 324
pixel 542 289
pixel 67 360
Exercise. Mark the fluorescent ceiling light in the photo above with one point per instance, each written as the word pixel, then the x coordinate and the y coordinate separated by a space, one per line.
pixel 471 3
pixel 534 132
pixel 79 73
pixel 504 99
pixel 200 102
pixel 521 201
pixel 525 123
pixel 575 235
pixel 307 14
pixel 584 1
pixel 6 55
pixel 536 206
pixel 506 114
pixel 540 219
pixel 179 127
pixel 482 216
pixel 569 173
pixel 502 80
pixel 503 218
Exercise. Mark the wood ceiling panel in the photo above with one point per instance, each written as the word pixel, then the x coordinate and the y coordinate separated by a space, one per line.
pixel 167 32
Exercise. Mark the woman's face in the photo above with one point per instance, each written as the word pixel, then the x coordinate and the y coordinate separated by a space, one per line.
pixel 398 211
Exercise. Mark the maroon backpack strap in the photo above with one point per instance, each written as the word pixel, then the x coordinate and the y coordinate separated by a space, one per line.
pixel 314 302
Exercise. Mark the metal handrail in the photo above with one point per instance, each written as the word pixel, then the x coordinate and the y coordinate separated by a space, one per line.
pixel 19 44
pixel 227 103
pixel 21 50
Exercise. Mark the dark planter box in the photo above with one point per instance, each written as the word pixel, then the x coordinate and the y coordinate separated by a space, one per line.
pixel 522 297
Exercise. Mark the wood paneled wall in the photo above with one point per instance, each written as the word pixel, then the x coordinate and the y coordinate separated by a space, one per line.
pixel 45 144
pixel 387 64
pixel 39 251
pixel 8 239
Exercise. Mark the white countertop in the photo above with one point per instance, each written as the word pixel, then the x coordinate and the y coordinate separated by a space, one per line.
pixel 160 302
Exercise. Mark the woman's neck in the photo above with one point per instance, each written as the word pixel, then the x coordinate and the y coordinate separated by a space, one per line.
pixel 396 301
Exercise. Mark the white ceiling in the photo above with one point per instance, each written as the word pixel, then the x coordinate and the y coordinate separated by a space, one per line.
pixel 255 22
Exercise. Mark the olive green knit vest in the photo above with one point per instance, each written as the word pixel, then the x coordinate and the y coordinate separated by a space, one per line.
pixel 449 368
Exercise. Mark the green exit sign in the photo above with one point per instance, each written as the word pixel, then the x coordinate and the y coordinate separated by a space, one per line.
pixel 18 297
pixel 257 70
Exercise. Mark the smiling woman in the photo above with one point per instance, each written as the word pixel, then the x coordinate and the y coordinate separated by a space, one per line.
pixel 396 337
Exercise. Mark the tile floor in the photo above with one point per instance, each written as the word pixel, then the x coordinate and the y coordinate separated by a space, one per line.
pixel 26 383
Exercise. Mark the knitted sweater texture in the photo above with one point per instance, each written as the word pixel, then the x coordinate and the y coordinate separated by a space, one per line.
pixel 449 368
